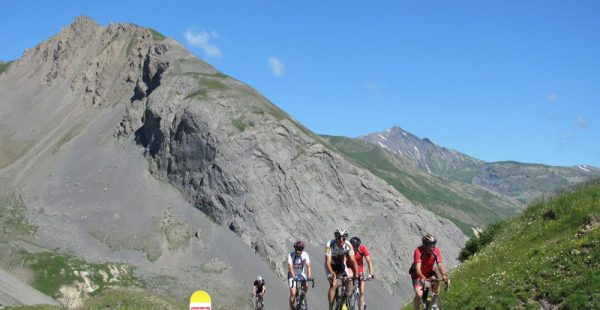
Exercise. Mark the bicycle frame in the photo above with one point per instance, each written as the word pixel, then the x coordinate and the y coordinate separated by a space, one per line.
pixel 341 296
pixel 432 301
pixel 300 303
pixel 355 295
pixel 258 302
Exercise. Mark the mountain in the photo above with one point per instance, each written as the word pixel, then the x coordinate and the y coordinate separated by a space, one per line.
pixel 546 258
pixel 513 180
pixel 126 159
pixel 466 205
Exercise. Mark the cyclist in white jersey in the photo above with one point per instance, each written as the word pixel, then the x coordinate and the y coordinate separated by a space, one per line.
pixel 298 265
pixel 337 252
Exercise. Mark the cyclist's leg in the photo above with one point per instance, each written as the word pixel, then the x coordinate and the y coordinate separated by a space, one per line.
pixel 349 275
pixel 293 288
pixel 361 288
pixel 435 286
pixel 332 287
pixel 418 288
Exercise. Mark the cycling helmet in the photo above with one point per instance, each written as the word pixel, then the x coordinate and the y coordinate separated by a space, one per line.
pixel 428 239
pixel 299 245
pixel 259 279
pixel 340 232
pixel 355 241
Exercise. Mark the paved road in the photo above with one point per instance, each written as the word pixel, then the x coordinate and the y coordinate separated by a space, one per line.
pixel 13 292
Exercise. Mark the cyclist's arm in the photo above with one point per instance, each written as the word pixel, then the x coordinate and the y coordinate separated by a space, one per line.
pixel 443 271
pixel 264 291
pixel 309 267
pixel 328 264
pixel 418 270
pixel 291 266
pixel 291 270
pixel 354 264
pixel 371 265
pixel 254 290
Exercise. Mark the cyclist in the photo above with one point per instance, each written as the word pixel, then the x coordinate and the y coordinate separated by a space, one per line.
pixel 360 252
pixel 337 252
pixel 259 289
pixel 298 265
pixel 422 267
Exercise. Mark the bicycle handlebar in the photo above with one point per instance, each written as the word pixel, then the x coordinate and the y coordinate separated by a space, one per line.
pixel 296 280
pixel 432 280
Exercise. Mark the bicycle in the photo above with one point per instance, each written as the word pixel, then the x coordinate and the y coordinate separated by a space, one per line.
pixel 432 301
pixel 300 303
pixel 354 300
pixel 258 302
pixel 340 299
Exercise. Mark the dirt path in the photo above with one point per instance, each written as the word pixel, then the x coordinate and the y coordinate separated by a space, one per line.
pixel 13 292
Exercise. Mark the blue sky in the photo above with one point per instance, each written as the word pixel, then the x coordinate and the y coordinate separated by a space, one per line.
pixel 497 80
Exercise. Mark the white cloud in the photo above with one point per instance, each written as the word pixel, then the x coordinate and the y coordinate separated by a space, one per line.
pixel 277 67
pixel 581 122
pixel 552 97
pixel 202 40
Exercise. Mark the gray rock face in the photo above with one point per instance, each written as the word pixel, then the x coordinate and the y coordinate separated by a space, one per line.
pixel 73 106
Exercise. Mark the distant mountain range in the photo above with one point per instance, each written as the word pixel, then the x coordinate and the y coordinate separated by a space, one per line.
pixel 520 181
pixel 466 190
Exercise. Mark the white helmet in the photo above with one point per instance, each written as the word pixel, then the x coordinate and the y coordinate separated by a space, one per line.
pixel 259 278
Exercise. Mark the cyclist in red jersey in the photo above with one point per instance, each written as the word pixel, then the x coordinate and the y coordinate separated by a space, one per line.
pixel 360 252
pixel 425 257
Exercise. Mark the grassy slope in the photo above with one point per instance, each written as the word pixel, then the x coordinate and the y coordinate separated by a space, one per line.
pixel 123 299
pixel 463 204
pixel 548 255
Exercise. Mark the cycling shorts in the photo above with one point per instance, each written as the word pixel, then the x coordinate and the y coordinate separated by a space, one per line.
pixel 291 280
pixel 417 283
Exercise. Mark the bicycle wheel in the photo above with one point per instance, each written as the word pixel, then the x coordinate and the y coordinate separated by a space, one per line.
pixel 354 302
pixel 303 304
pixel 436 303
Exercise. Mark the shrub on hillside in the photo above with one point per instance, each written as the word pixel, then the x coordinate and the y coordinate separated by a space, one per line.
pixel 477 242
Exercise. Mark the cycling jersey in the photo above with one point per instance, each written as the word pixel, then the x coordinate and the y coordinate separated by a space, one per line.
pixel 427 260
pixel 337 252
pixel 259 286
pixel 299 262
pixel 358 256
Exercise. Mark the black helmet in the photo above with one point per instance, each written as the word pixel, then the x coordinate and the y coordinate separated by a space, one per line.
pixel 340 232
pixel 428 240
pixel 299 245
pixel 355 241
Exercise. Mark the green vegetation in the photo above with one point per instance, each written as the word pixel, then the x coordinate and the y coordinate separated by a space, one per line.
pixel 177 234
pixel 464 205
pixel 126 299
pixel 53 269
pixel 13 222
pixel 241 125
pixel 549 255
pixel 207 83
pixel 157 36
pixel 122 299
pixel 4 66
